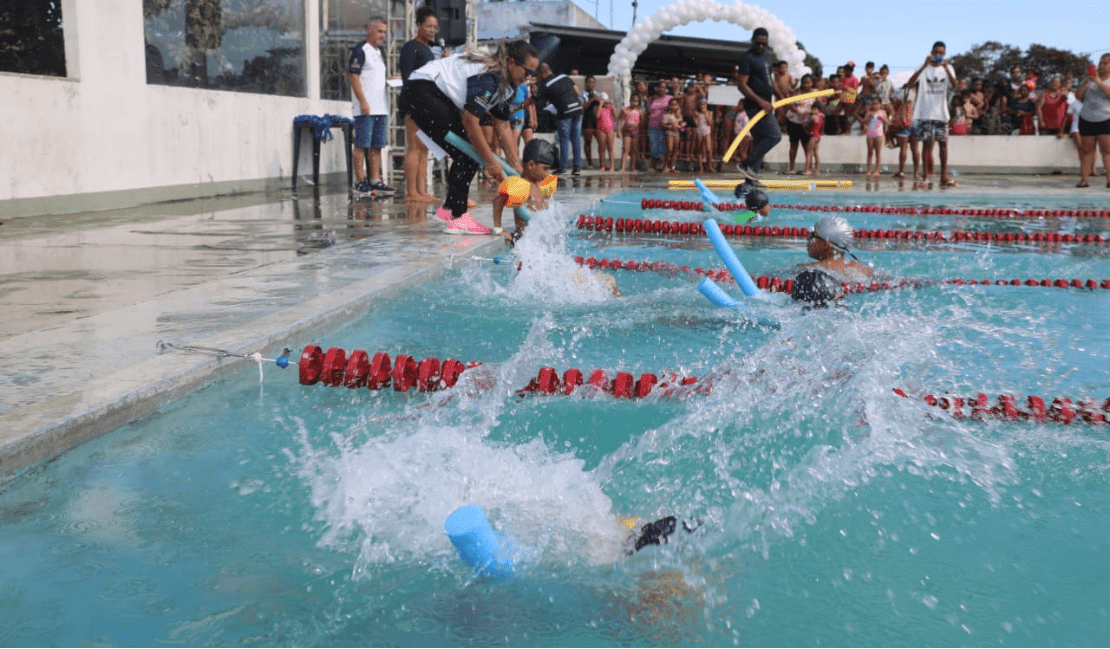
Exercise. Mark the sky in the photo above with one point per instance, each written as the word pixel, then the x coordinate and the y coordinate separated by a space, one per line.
pixel 899 34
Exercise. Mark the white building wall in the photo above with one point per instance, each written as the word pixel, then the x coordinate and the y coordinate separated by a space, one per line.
pixel 105 138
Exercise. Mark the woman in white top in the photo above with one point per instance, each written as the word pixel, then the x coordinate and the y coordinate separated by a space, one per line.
pixel 451 95
pixel 1094 121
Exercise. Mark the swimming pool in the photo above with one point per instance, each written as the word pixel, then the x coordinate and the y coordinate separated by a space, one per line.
pixel 831 510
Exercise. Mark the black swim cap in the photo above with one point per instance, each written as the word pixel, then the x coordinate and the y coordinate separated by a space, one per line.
pixel 756 200
pixel 816 287
pixel 741 190
pixel 539 151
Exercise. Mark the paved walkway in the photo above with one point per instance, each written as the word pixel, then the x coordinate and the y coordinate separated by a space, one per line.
pixel 87 298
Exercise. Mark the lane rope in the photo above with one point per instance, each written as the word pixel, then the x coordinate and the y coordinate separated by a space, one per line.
pixel 599 223
pixel 783 284
pixel 924 210
pixel 403 373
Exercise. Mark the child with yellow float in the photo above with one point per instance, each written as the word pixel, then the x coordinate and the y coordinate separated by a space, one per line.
pixel 528 191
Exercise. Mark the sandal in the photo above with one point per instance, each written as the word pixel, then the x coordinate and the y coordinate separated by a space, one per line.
pixel 1084 184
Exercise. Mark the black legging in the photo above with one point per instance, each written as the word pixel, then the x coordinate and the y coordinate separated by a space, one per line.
pixel 437 115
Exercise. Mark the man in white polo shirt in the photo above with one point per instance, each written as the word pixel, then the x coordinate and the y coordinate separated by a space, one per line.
pixel 370 107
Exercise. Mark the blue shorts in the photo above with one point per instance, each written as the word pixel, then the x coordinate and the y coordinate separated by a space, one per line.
pixel 931 129
pixel 370 131
pixel 908 131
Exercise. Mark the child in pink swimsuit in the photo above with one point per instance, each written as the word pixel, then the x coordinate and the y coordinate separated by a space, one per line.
pixel 815 124
pixel 876 133
pixel 630 132
pixel 606 124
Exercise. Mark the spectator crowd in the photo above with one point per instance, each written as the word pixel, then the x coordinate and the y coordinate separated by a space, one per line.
pixel 668 124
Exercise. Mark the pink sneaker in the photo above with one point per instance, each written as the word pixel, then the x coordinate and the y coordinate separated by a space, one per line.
pixel 444 214
pixel 466 224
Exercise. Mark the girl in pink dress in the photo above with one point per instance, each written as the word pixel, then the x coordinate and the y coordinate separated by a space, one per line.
pixel 606 124
pixel 629 124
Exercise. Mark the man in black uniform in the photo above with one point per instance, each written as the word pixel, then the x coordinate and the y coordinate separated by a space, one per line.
pixel 753 76
pixel 557 92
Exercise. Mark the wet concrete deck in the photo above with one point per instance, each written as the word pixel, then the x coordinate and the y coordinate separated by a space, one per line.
pixel 87 298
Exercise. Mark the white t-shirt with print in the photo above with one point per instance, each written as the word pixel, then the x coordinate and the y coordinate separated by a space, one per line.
pixel 932 93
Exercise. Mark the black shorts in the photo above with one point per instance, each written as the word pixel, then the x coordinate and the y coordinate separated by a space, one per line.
pixel 1094 128
pixel 797 133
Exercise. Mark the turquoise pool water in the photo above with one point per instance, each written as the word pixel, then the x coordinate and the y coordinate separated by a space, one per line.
pixel 831 511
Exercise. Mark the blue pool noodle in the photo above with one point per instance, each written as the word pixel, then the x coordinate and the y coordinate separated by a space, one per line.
pixel 468 148
pixel 716 294
pixel 743 280
pixel 476 542
pixel 709 197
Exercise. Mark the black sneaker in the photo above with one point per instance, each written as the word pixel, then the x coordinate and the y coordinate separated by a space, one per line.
pixel 749 174
pixel 381 188
pixel 576 171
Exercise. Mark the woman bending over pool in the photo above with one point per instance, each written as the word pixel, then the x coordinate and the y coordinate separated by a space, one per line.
pixel 452 95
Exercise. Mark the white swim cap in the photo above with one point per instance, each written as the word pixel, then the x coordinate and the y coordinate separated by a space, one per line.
pixel 836 230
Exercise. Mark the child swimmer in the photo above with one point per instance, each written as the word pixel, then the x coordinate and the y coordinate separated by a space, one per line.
pixel 755 199
pixel 528 194
pixel 538 157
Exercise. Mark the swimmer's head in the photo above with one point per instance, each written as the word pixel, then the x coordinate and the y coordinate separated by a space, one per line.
pixel 539 150
pixel 538 158
pixel 755 199
pixel 836 230
pixel 816 288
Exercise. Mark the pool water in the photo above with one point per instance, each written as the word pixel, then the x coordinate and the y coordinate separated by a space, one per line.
pixel 828 509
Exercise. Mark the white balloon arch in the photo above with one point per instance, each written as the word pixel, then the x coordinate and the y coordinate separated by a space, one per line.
pixel 647 30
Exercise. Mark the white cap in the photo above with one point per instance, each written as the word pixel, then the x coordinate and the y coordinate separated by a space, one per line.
pixel 603 96
pixel 836 230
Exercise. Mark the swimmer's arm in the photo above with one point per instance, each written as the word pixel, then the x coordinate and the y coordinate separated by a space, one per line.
pixel 498 208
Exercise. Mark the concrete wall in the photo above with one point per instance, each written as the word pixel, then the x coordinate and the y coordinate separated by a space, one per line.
pixel 966 154
pixel 103 138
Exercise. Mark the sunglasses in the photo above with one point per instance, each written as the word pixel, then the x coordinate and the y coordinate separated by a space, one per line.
pixel 527 72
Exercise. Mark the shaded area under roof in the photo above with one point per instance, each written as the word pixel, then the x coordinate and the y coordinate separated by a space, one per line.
pixel 588 50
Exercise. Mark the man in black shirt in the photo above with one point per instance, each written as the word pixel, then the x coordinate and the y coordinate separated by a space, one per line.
pixel 753 76
pixel 557 92
pixel 414 54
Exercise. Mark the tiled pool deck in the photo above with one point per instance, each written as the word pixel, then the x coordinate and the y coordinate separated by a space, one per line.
pixel 87 298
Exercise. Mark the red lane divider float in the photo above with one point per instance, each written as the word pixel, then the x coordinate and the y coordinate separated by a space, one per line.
pixel 651 203
pixel 334 368
pixel 609 224
pixel 1061 409
pixel 784 284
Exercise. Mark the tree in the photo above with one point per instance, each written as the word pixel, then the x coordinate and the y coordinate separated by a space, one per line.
pixel 993 61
